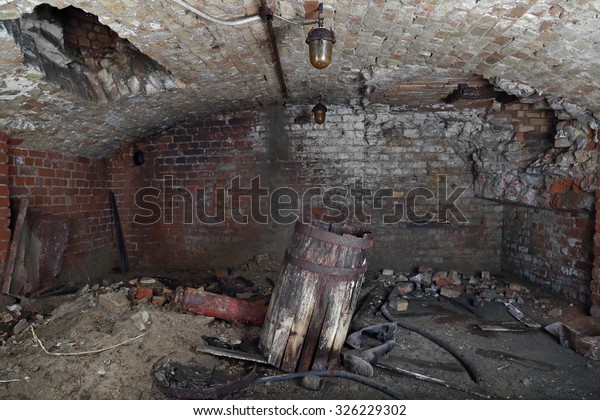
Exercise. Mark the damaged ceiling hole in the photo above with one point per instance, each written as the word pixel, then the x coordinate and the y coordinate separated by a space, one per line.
pixel 82 56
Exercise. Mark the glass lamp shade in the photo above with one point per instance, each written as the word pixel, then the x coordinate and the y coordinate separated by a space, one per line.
pixel 319 113
pixel 320 47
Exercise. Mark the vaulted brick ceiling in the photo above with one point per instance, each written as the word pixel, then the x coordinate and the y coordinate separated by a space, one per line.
pixel 404 53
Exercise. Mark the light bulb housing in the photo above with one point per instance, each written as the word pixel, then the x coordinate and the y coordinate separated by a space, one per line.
pixel 319 112
pixel 320 47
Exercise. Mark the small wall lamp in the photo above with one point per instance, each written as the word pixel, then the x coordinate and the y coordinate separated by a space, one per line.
pixel 319 112
pixel 320 43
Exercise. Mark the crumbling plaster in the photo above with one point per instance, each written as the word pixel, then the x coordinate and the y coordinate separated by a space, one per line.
pixel 548 45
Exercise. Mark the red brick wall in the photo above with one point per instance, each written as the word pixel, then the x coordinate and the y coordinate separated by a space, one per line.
pixel 73 186
pixel 287 150
pixel 84 30
pixel 534 125
pixel 4 201
pixel 206 156
pixel 549 241
pixel 549 247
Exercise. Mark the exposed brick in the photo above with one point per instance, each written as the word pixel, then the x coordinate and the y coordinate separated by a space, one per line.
pixel 551 252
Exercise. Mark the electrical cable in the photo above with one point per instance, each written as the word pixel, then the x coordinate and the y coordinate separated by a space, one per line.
pixel 335 374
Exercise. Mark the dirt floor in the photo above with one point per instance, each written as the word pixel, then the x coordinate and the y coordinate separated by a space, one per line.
pixel 529 364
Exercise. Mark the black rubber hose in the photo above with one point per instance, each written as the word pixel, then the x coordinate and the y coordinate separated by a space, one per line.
pixel 469 367
pixel 335 374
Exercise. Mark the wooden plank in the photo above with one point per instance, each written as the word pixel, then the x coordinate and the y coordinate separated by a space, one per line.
pixel 352 293
pixel 268 326
pixel 306 298
pixel 280 341
pixel 280 294
pixel 338 298
pixel 280 317
pixel 314 329
pixel 14 246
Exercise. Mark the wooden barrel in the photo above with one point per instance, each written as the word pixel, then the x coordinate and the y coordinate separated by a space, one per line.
pixel 313 301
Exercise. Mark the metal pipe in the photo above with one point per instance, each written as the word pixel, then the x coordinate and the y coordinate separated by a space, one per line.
pixel 236 22
pixel 268 15
pixel 219 306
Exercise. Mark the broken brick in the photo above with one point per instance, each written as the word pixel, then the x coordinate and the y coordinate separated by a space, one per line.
pixel 454 277
pixel 450 292
pixel 143 292
pixel 159 300
pixel 442 282
pixel 440 278
pixel 405 288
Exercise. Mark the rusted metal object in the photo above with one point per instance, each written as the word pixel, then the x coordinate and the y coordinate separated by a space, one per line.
pixel 268 16
pixel 119 231
pixel 219 306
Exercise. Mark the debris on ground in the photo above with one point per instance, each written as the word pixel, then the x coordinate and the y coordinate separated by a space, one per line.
pixel 449 305
pixel 581 334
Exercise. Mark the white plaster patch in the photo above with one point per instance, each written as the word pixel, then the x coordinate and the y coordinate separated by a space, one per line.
pixel 122 30
pixel 16 86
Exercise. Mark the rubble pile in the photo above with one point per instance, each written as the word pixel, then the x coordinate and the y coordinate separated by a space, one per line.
pixel 140 290
pixel 477 289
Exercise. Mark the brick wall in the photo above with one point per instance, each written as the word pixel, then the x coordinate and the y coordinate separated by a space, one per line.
pixel 381 148
pixel 595 285
pixel 550 239
pixel 550 247
pixel 5 233
pixel 84 30
pixel 534 126
pixel 180 166
pixel 76 187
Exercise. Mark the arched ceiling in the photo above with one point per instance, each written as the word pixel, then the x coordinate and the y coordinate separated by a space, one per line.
pixel 399 52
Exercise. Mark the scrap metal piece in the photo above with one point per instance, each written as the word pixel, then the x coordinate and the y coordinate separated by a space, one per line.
pixel 520 316
pixel 231 309
pixel 502 327
pixel 431 379
pixel 234 354
pixel 382 332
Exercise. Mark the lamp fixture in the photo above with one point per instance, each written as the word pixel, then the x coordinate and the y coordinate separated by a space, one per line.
pixel 320 43
pixel 319 111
